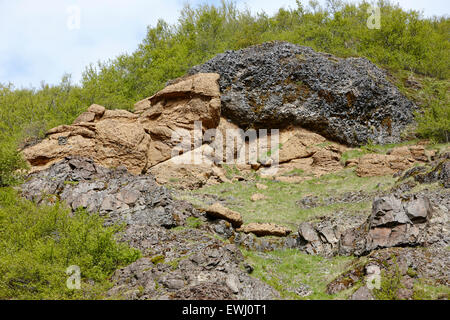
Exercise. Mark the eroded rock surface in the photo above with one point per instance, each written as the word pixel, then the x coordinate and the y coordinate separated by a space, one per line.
pixel 277 84
pixel 137 140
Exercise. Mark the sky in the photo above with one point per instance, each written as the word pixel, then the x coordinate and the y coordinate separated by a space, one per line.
pixel 42 40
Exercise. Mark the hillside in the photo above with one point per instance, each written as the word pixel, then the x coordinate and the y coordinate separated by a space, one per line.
pixel 235 156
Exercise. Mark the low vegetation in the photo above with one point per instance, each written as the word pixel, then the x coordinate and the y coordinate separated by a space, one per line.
pixel 296 275
pixel 39 243
pixel 282 197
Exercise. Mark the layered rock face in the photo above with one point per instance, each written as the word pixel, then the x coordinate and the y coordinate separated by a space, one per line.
pixel 137 140
pixel 276 84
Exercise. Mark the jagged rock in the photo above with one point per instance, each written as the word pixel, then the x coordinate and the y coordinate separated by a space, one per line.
pixel 394 222
pixel 115 194
pixel 219 211
pixel 191 264
pixel 265 229
pixel 277 84
pixel 183 264
pixel 408 221
pixel 439 170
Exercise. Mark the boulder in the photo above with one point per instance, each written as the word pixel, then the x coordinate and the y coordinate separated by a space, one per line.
pixel 220 212
pixel 394 222
pixel 278 84
pixel 265 229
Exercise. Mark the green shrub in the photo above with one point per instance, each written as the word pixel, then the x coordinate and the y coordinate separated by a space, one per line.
pixel 390 284
pixel 39 243
pixel 11 161
pixel 434 120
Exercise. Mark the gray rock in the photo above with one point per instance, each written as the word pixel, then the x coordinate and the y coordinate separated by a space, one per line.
pixel 363 293
pixel 277 84
pixel 413 220
pixel 188 263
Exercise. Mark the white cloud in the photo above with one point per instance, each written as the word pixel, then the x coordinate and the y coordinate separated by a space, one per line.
pixel 36 44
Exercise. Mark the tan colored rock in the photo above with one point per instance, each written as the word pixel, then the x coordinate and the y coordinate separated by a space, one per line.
pixel 67 131
pixel 142 105
pixel 137 141
pixel 119 114
pixel 174 111
pixel 258 197
pixel 371 165
pixel 265 229
pixel 189 170
pixel 121 142
pixel 97 109
pixel 85 117
pixel 297 143
pixel 49 151
pixel 261 186
pixel 327 160
pixel 419 153
pixel 219 211
pixel 351 163
pixel 403 152
pixel 202 84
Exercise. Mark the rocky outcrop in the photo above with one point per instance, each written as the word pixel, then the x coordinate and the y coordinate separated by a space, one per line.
pixel 278 84
pixel 396 160
pixel 395 222
pixel 176 108
pixel 372 165
pixel 115 194
pixel 177 263
pixel 437 171
pixel 190 170
pixel 187 265
pixel 137 140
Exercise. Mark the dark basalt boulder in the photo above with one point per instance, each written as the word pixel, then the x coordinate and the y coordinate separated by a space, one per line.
pixel 277 84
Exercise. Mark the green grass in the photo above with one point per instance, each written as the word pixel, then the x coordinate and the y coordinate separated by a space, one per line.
pixel 280 207
pixel 39 243
pixel 286 270
pixel 423 290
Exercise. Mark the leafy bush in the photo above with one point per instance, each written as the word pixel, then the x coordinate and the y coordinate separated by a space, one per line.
pixel 434 121
pixel 38 244
pixel 11 161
